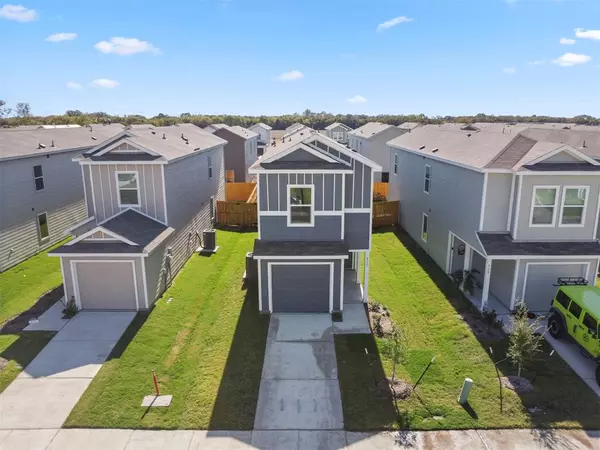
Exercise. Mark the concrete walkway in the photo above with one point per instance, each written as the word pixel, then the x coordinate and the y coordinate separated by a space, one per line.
pixel 299 388
pixel 46 391
pixel 96 439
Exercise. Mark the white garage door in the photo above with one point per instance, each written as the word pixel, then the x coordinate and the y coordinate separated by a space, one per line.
pixel 106 285
pixel 541 278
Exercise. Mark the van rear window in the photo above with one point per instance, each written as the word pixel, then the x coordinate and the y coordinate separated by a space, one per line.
pixel 563 299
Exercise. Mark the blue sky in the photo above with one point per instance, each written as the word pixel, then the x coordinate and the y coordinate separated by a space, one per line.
pixel 435 57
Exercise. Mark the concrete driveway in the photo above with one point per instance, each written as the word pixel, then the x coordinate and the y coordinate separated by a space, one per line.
pixel 45 392
pixel 299 387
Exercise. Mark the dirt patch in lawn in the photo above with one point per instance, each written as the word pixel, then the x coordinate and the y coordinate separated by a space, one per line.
pixel 399 389
pixel 481 330
pixel 18 323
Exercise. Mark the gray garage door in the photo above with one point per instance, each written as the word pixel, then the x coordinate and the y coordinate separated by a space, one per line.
pixel 540 289
pixel 300 288
pixel 106 285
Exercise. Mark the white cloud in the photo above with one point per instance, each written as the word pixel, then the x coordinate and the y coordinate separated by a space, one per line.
pixel 567 41
pixel 292 75
pixel 73 85
pixel 59 37
pixel 393 22
pixel 571 59
pixel 105 83
pixel 18 13
pixel 537 62
pixel 509 70
pixel 125 46
pixel 356 99
pixel 587 34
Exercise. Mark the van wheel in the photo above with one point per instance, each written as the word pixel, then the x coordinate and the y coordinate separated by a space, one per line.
pixel 556 326
pixel 598 375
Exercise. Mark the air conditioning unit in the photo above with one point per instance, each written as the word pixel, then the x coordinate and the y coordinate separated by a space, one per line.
pixel 251 274
pixel 209 240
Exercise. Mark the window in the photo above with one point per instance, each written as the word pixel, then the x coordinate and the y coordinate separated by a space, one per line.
pixel 427 178
pixel 395 163
pixel 127 184
pixel 563 299
pixel 210 167
pixel 424 227
pixel 575 309
pixel 573 207
pixel 543 211
pixel 385 177
pixel 42 220
pixel 38 178
pixel 590 323
pixel 300 210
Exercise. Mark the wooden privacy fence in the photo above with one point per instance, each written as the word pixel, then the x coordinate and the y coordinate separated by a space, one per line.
pixel 238 192
pixel 381 189
pixel 237 214
pixel 385 213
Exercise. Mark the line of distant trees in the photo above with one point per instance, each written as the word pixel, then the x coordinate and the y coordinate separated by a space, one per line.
pixel 316 120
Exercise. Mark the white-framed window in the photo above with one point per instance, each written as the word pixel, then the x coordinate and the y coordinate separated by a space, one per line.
pixel 427 183
pixel 210 167
pixel 573 206
pixel 128 188
pixel 424 227
pixel 544 204
pixel 38 178
pixel 301 203
pixel 395 163
pixel 42 223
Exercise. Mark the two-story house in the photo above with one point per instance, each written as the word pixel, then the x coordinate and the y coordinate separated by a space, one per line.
pixel 370 140
pixel 264 136
pixel 515 205
pixel 149 193
pixel 241 151
pixel 41 190
pixel 314 223
pixel 338 132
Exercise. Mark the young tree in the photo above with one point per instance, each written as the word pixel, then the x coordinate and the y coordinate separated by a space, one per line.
pixel 394 348
pixel 4 110
pixel 23 110
pixel 524 341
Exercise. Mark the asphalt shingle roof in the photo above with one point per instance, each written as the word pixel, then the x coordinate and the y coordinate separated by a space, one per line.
pixel 370 129
pixel 502 244
pixel 300 248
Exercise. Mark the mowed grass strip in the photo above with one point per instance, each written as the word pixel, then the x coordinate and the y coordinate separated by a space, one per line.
pixel 426 306
pixel 206 346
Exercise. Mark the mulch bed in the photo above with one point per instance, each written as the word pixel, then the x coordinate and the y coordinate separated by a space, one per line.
pixel 518 384
pixel 16 324
pixel 399 390
pixel 480 329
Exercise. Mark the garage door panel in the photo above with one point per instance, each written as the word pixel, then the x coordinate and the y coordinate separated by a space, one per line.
pixel 300 288
pixel 106 285
pixel 541 278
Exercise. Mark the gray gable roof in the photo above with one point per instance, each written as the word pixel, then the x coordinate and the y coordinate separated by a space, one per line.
pixel 242 132
pixel 262 125
pixel 337 124
pixel 502 244
pixel 370 129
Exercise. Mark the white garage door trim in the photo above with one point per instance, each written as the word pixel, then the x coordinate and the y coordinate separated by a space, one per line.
pixel 299 263
pixel 76 283
pixel 553 263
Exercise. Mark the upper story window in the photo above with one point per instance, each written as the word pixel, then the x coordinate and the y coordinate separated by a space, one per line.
pixel 210 167
pixel 128 186
pixel 395 163
pixel 543 208
pixel 427 185
pixel 38 178
pixel 574 203
pixel 301 204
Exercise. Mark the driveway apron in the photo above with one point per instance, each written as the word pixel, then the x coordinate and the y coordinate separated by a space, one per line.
pixel 45 392
pixel 299 388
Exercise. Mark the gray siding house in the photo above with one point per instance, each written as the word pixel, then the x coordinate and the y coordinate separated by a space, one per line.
pixel 338 132
pixel 151 192
pixel 314 223
pixel 41 189
pixel 241 151
pixel 514 202
pixel 264 136
pixel 370 140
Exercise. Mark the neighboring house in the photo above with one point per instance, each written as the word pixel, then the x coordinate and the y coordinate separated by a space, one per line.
pixel 150 193
pixel 370 140
pixel 518 205
pixel 408 126
pixel 214 127
pixel 293 127
pixel 41 191
pixel 241 151
pixel 314 223
pixel 264 136
pixel 338 132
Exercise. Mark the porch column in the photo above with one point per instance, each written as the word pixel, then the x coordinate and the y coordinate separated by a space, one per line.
pixel 357 266
pixel 366 278
pixel 513 295
pixel 486 283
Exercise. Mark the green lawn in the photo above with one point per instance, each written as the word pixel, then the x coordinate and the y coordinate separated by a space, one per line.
pixel 426 305
pixel 206 345
pixel 22 285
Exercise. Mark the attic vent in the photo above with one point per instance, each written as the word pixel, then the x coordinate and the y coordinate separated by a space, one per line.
pixel 41 146
pixel 422 147
pixel 435 150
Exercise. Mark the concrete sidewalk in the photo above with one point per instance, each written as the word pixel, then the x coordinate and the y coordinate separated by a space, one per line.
pixel 97 439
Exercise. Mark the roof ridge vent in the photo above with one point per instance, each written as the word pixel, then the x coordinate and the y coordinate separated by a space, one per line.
pixel 41 146
pixel 94 138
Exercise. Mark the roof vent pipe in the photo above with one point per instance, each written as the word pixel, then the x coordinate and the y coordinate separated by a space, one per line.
pixel 52 145
pixel 164 135
pixel 583 146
